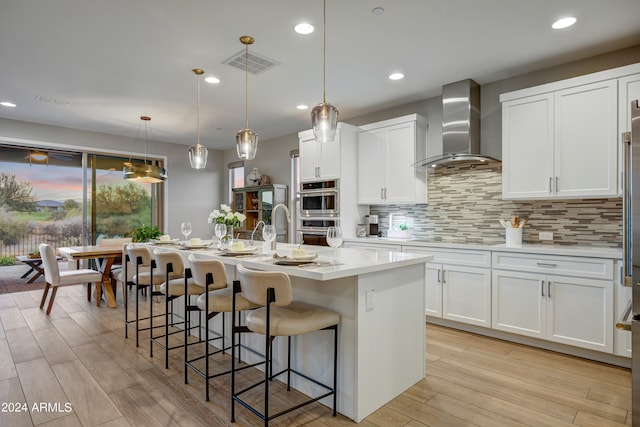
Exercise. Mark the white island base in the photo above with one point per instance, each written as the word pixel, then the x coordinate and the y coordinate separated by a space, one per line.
pixel 381 350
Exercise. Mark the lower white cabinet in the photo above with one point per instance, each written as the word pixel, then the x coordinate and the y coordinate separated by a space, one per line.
pixel 547 304
pixel 458 285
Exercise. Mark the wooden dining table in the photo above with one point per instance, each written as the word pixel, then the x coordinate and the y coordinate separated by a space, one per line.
pixel 105 255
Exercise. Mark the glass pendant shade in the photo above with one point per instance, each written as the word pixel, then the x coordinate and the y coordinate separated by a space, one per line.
pixel 324 120
pixel 247 144
pixel 198 156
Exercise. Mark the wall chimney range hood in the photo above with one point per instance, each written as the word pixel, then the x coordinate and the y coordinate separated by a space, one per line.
pixel 460 126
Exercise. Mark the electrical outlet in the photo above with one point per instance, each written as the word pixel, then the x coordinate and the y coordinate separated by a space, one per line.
pixel 369 299
pixel 545 235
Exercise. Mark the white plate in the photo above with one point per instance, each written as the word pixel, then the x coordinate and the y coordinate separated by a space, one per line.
pixel 307 257
pixel 242 251
pixel 165 242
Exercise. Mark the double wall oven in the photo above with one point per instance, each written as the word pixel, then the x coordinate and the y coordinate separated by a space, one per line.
pixel 319 210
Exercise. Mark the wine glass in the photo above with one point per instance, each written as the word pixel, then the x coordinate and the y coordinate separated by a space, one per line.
pixel 221 231
pixel 269 234
pixel 185 228
pixel 334 239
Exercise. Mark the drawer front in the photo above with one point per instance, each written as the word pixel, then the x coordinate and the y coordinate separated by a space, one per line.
pixel 457 257
pixel 596 268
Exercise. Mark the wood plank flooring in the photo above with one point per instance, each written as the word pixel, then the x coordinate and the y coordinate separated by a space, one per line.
pixel 78 362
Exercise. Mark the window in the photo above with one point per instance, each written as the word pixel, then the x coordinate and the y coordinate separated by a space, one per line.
pixel 236 177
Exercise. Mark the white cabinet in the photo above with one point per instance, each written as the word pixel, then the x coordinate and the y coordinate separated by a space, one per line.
pixel 562 299
pixel 457 285
pixel 561 144
pixel 387 152
pixel 628 90
pixel 323 161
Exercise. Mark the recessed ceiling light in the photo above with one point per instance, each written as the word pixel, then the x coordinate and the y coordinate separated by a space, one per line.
pixel 8 104
pixel 377 10
pixel 304 28
pixel 302 107
pixel 396 76
pixel 212 80
pixel 564 23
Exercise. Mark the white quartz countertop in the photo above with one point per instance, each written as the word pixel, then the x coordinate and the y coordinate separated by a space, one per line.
pixel 351 262
pixel 545 249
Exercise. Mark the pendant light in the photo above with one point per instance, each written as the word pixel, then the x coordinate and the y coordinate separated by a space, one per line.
pixel 246 139
pixel 324 117
pixel 198 153
pixel 148 173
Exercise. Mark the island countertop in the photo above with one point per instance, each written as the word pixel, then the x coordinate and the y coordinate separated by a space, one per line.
pixel 350 262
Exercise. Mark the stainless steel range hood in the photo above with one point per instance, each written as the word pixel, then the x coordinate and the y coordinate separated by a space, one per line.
pixel 460 126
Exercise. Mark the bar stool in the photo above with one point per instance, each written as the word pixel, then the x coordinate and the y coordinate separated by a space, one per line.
pixel 278 316
pixel 144 277
pixel 177 282
pixel 211 273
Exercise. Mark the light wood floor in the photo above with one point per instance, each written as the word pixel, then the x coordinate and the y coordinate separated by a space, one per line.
pixel 78 356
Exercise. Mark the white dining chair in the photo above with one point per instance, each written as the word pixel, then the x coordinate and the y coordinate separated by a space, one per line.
pixel 54 277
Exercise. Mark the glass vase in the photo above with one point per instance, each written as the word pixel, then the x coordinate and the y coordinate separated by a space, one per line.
pixel 227 240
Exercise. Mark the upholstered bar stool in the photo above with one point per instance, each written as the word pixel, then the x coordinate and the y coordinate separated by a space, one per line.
pixel 146 276
pixel 177 282
pixel 278 316
pixel 211 273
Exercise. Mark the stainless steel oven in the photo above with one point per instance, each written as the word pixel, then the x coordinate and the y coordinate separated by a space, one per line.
pixel 319 199
pixel 314 229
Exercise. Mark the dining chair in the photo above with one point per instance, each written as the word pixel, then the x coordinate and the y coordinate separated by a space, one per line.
pixel 279 316
pixel 54 277
pixel 211 273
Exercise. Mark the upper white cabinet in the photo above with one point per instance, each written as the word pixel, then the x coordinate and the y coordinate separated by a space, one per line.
pixel 561 144
pixel 561 140
pixel 628 90
pixel 387 152
pixel 321 161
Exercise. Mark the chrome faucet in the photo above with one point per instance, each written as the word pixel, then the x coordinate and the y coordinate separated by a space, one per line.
pixel 273 220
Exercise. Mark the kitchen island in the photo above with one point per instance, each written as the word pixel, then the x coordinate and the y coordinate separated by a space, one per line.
pixel 380 298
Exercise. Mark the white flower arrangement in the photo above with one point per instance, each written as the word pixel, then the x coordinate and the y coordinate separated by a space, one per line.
pixel 225 216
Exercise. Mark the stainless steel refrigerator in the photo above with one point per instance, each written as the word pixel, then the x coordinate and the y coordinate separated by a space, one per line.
pixel 631 249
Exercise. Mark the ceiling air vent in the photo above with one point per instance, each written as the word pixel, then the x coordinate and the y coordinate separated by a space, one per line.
pixel 258 64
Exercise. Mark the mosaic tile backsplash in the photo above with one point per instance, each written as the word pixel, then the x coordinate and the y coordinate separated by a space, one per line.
pixel 465 205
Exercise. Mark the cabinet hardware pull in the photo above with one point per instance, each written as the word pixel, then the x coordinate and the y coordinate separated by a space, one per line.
pixel 556 184
pixel 381 193
pixel 438 276
pixel 444 280
pixel 550 184
pixel 385 193
pixel 549 289
pixel 542 287
pixel 546 264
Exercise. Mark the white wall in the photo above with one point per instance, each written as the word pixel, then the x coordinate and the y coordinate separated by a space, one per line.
pixel 192 193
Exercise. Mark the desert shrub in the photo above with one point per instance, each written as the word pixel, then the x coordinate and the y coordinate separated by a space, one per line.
pixel 11 229
pixel 6 261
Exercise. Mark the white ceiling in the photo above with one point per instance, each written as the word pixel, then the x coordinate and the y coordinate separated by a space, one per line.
pixel 99 65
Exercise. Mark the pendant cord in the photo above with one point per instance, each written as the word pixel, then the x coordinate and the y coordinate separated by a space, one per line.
pixel 324 54
pixel 246 86
pixel 198 114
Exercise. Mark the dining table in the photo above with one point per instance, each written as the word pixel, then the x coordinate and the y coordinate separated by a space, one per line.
pixel 105 255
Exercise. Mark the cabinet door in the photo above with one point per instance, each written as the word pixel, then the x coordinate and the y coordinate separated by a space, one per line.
pixel 628 90
pixel 527 147
pixel 586 152
pixel 433 290
pixel 518 304
pixel 371 166
pixel 466 295
pixel 329 163
pixel 580 312
pixel 400 154
pixel 309 159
